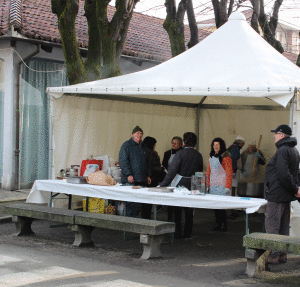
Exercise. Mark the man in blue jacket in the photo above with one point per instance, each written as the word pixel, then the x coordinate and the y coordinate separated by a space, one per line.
pixel 281 186
pixel 135 165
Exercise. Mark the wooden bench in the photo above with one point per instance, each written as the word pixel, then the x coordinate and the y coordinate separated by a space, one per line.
pixel 82 224
pixel 259 246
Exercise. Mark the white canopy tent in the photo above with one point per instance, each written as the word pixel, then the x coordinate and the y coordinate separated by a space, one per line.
pixel 234 66
pixel 234 61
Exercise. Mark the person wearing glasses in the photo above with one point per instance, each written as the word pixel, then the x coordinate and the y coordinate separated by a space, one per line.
pixel 167 160
pixel 186 162
pixel 169 155
pixel 281 186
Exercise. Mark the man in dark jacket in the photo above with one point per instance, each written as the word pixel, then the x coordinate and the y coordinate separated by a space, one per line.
pixel 281 186
pixel 186 162
pixel 135 165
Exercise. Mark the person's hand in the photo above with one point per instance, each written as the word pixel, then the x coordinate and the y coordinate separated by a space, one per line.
pixel 149 180
pixel 234 175
pixel 130 179
pixel 257 154
pixel 227 191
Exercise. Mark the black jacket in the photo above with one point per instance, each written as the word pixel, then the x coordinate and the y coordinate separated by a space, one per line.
pixel 281 178
pixel 186 162
pixel 134 160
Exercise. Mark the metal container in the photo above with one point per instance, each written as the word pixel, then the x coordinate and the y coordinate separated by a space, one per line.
pixel 251 189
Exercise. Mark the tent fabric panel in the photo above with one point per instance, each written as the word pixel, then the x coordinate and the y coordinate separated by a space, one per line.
pixel 249 124
pixel 84 127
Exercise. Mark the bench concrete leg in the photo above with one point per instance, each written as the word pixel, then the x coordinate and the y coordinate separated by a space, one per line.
pixel 257 261
pixel 151 245
pixel 23 225
pixel 83 235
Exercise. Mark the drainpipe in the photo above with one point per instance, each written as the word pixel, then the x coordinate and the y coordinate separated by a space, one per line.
pixel 17 150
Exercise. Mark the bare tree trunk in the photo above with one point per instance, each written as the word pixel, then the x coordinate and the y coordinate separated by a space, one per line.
pixel 174 26
pixel 106 39
pixel 255 15
pixel 274 17
pixel 114 34
pixel 221 11
pixel 298 61
pixel 92 63
pixel 66 11
pixel 269 34
pixel 192 24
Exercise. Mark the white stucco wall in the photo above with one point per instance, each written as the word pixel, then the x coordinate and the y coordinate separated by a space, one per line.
pixel 11 58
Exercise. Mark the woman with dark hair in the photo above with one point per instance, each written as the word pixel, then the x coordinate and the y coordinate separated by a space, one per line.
pixel 186 162
pixel 157 172
pixel 219 178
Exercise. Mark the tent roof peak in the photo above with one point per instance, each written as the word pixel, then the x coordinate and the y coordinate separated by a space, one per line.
pixel 237 16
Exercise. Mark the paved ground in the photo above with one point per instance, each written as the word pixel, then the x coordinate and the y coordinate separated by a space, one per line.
pixel 213 258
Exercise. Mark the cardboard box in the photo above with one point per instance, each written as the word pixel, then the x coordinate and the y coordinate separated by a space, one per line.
pixel 96 205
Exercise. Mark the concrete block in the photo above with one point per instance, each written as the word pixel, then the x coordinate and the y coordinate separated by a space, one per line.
pixel 151 246
pixel 83 235
pixel 23 225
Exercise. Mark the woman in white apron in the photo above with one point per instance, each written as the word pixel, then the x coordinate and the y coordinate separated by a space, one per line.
pixel 219 178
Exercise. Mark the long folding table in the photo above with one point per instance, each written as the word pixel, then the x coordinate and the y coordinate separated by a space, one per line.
pixel 43 191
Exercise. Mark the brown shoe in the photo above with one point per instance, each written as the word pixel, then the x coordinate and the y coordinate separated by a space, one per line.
pixel 273 260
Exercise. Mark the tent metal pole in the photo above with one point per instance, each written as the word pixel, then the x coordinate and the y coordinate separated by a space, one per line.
pixel 292 108
pixel 198 121
pixel 197 126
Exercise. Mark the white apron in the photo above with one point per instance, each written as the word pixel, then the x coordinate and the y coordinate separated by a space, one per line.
pixel 171 159
pixel 217 177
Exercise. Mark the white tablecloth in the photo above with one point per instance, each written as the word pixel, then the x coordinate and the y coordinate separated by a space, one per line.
pixel 40 193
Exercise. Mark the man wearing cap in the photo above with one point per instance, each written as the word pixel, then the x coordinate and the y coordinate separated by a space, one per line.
pixel 281 186
pixel 135 165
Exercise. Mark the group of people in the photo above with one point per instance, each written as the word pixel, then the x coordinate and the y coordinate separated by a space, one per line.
pixel 140 165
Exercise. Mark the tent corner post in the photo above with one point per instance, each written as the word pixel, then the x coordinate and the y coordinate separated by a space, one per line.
pixel 198 121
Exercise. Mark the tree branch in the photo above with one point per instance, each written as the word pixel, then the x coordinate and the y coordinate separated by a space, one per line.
pixel 192 24
pixel 268 35
pixel 255 15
